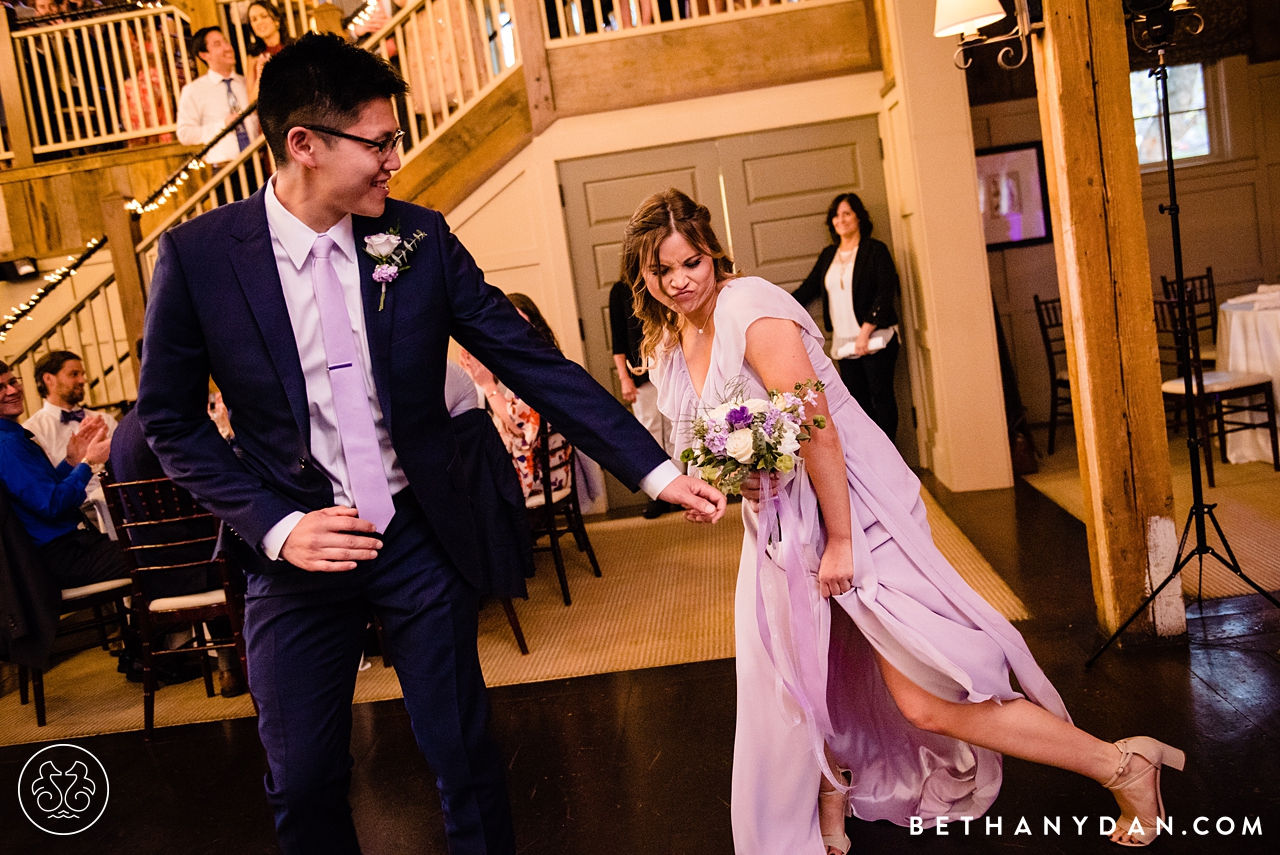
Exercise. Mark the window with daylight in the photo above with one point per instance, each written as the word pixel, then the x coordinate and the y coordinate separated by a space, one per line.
pixel 1188 118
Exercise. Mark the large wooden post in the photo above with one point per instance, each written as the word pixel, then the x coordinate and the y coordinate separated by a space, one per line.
pixel 123 235
pixel 328 18
pixel 11 96
pixel 532 40
pixel 1104 276
pixel 202 13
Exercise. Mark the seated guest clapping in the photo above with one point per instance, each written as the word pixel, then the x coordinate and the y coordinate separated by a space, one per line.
pixel 517 422
pixel 47 499
pixel 61 381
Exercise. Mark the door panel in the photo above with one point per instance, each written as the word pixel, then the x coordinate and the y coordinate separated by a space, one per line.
pixel 600 194
pixel 778 184
pixel 776 187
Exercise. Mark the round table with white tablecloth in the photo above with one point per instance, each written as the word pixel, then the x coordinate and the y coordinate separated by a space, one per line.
pixel 1249 340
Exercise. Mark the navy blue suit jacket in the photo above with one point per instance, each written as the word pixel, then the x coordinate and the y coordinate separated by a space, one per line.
pixel 217 308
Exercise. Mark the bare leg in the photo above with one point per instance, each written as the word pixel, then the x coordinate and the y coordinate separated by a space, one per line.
pixel 1020 729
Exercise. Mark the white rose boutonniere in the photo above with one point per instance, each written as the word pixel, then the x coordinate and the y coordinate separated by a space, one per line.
pixel 381 245
pixel 391 253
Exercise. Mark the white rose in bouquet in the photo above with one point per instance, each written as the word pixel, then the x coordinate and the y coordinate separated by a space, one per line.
pixel 718 414
pixel 741 445
pixel 381 245
pixel 756 405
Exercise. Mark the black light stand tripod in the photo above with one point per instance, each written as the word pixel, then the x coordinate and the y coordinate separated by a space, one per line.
pixel 1182 339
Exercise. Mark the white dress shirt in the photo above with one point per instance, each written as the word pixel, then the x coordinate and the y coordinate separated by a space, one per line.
pixel 46 426
pixel 203 110
pixel 291 240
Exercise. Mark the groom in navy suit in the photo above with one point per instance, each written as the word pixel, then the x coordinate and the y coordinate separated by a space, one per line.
pixel 347 492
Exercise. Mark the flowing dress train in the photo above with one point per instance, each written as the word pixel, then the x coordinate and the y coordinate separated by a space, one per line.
pixel 806 673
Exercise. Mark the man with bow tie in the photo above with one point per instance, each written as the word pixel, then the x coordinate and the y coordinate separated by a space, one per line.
pixel 60 381
pixel 46 497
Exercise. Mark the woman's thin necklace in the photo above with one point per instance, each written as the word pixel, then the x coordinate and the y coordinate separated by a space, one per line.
pixel 845 256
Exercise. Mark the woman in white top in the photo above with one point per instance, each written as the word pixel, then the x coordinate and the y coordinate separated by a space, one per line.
pixel 857 282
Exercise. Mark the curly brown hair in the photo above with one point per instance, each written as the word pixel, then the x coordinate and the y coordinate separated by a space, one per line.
pixel 657 218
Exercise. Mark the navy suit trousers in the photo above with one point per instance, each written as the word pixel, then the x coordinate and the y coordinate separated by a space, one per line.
pixel 304 633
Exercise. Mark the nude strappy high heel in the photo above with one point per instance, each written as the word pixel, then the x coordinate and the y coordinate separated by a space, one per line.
pixel 836 840
pixel 1156 756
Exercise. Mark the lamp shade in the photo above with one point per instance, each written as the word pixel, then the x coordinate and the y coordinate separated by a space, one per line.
pixel 954 17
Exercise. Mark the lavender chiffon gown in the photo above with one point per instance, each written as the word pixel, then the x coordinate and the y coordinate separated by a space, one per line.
pixel 907 603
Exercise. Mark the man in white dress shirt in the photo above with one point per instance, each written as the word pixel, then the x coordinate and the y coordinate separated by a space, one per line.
pixel 210 103
pixel 60 380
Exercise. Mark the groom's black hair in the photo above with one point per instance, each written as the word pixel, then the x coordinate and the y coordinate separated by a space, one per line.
pixel 320 80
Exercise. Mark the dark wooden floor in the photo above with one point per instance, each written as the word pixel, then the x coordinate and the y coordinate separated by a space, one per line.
pixel 639 762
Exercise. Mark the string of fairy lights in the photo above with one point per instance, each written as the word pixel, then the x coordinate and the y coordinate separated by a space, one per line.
pixel 183 174
pixel 170 187
pixel 51 281
pixel 137 207
pixel 362 17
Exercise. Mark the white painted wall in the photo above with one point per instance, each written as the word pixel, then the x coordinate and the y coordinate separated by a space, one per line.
pixel 932 179
pixel 515 228
pixel 514 225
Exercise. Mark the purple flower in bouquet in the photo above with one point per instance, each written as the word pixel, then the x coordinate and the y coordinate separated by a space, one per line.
pixel 738 418
pixel 385 273
pixel 716 440
pixel 771 420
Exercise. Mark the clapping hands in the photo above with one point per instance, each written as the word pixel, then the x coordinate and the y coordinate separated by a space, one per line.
pixel 91 443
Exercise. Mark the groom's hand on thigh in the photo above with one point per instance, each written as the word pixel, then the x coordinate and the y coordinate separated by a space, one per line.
pixel 702 502
pixel 331 540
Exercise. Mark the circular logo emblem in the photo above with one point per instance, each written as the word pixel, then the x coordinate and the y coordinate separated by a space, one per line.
pixel 63 789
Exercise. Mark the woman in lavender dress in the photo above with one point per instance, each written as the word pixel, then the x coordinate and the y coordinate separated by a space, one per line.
pixel 897 703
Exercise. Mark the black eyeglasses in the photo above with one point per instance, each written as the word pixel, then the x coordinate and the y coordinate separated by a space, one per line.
pixel 383 148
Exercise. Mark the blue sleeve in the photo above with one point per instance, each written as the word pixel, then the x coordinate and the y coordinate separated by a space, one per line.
pixel 40 491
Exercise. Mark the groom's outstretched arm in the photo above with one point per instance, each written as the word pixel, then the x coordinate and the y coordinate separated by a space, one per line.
pixel 172 407
pixel 485 322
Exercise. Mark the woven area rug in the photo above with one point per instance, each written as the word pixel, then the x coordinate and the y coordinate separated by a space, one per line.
pixel 1247 496
pixel 666 598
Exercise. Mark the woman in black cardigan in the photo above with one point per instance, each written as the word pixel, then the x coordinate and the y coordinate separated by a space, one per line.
pixel 857 282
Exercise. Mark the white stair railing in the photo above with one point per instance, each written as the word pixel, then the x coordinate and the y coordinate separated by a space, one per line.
pixel 451 52
pixel 104 79
pixel 233 16
pixel 95 330
pixel 570 21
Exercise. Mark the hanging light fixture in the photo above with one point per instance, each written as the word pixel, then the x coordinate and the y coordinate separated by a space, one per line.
pixel 1157 24
pixel 965 17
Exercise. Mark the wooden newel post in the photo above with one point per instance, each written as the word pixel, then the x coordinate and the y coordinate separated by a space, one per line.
pixel 1104 277
pixel 532 41
pixel 123 235
pixel 202 13
pixel 11 95
pixel 328 19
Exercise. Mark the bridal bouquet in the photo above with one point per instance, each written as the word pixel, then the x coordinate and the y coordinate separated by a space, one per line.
pixel 745 435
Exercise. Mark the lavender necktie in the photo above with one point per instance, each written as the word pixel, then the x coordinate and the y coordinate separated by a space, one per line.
pixel 365 472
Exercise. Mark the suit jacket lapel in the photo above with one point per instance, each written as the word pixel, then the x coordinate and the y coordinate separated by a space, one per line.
pixel 377 324
pixel 254 262
pixel 860 263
